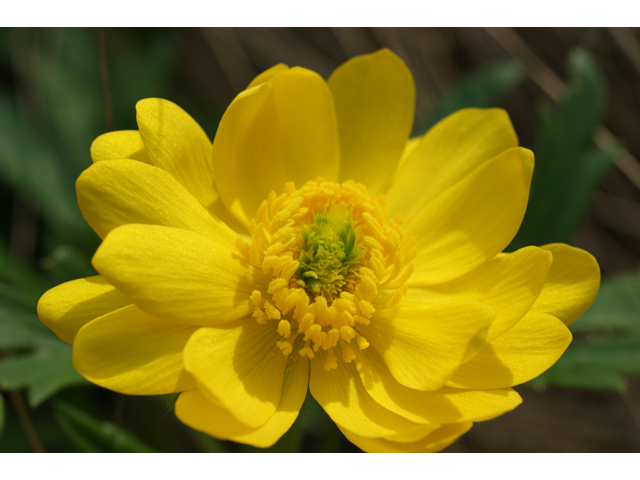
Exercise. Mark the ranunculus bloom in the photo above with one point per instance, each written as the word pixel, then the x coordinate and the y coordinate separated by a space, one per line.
pixel 313 247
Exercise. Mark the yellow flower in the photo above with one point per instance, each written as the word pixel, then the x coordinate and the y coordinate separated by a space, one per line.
pixel 313 247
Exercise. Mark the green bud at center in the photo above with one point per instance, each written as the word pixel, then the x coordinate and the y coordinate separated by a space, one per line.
pixel 330 254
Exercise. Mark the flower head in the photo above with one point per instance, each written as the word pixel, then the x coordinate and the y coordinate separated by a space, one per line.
pixel 314 247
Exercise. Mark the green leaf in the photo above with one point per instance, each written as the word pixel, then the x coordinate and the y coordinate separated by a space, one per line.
pixel 43 372
pixel 45 367
pixel 568 165
pixel 600 363
pixel 481 89
pixel 92 435
pixel 20 328
pixel 67 263
pixel 31 167
pixel 583 376
pixel 617 306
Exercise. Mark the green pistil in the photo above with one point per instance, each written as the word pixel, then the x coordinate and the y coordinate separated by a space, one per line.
pixel 330 253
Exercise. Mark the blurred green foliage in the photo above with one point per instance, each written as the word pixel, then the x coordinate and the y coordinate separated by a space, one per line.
pixel 51 109
pixel 569 166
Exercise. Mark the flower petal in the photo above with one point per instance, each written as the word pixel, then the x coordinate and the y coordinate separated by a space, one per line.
pixel 121 192
pixel 277 132
pixel 447 405
pixel 572 283
pixel 434 442
pixel 342 395
pixel 450 151
pixel 177 274
pixel 121 144
pixel 472 221
pixel 177 144
pixel 268 74
pixel 239 368
pixel 510 283
pixel 375 98
pixel 424 339
pixel 523 353
pixel 196 411
pixel 65 309
pixel 133 353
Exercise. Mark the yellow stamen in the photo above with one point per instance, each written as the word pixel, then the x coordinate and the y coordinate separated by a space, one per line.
pixel 333 259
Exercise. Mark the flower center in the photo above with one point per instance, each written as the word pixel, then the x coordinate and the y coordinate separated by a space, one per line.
pixel 334 259
pixel 329 255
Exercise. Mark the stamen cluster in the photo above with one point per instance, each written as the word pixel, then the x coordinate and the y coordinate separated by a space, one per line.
pixel 334 258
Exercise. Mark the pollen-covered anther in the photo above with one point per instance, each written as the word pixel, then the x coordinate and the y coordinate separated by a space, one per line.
pixel 272 312
pixel 333 259
pixel 284 328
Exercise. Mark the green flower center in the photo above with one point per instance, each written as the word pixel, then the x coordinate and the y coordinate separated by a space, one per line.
pixel 329 254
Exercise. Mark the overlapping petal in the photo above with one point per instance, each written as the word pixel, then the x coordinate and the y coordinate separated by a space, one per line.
pixel 572 284
pixel 434 442
pixel 178 274
pixel 280 131
pixel 65 309
pixel 342 395
pixel 448 152
pixel 374 98
pixel 175 142
pixel 472 221
pixel 120 144
pixel 523 353
pixel 424 339
pixel 446 405
pixel 132 352
pixel 196 411
pixel 239 368
pixel 121 192
pixel 510 283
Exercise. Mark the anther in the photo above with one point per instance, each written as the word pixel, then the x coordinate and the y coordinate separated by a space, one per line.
pixel 361 341
pixel 256 298
pixel 284 328
pixel 347 354
pixel 331 362
pixel 347 333
pixel 272 312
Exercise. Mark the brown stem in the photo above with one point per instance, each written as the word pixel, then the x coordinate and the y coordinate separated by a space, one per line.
pixel 105 78
pixel 25 420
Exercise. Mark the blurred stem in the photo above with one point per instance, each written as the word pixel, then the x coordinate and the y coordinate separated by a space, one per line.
pixel 26 422
pixel 105 78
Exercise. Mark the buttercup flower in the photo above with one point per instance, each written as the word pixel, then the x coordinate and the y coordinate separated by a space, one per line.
pixel 314 247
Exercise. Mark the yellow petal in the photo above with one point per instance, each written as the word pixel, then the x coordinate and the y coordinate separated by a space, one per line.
pixel 239 368
pixel 424 339
pixel 177 274
pixel 268 74
pixel 434 442
pixel 523 353
pixel 277 132
pixel 572 283
pixel 472 221
pixel 447 405
pixel 450 151
pixel 374 97
pixel 196 411
pixel 65 309
pixel 177 144
pixel 133 353
pixel 510 283
pixel 120 192
pixel 341 394
pixel 121 144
